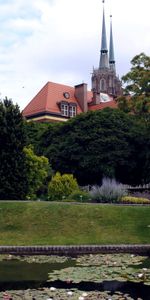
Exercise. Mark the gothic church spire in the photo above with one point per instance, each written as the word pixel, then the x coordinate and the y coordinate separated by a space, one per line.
pixel 104 51
pixel 104 79
pixel 111 49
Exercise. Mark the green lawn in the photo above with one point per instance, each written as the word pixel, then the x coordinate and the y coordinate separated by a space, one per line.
pixel 44 223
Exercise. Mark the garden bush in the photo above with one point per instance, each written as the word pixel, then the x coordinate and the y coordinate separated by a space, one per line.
pixel 79 196
pixel 61 186
pixel 109 192
pixel 134 200
pixel 143 194
pixel 38 169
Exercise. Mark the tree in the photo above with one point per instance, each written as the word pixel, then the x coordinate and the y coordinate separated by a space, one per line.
pixel 38 169
pixel 61 186
pixel 13 173
pixel 34 131
pixel 107 143
pixel 136 97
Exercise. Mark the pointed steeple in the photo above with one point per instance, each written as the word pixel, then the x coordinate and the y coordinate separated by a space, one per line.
pixel 111 49
pixel 104 79
pixel 104 51
pixel 104 39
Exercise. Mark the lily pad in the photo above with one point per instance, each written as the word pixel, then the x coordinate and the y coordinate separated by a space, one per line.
pixel 97 268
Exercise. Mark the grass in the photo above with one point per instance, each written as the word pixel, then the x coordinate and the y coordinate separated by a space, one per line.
pixel 44 223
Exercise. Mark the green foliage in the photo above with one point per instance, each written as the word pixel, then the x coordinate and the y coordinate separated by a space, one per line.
pixel 82 146
pixel 138 79
pixel 134 200
pixel 79 196
pixel 13 173
pixel 34 131
pixel 137 85
pixel 61 186
pixel 107 143
pixel 110 191
pixel 38 169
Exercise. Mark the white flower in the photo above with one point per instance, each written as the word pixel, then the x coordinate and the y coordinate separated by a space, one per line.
pixel 81 298
pixel 69 293
pixel 52 289
pixel 84 294
pixel 140 275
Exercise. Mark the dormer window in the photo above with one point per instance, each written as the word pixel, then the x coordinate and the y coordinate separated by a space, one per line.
pixel 65 109
pixel 72 111
pixel 68 109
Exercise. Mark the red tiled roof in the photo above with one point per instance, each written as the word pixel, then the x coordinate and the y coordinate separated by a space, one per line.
pixel 89 96
pixel 48 98
pixel 102 105
pixel 46 101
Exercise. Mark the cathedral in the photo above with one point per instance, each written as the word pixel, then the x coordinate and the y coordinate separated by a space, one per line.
pixel 57 102
pixel 104 79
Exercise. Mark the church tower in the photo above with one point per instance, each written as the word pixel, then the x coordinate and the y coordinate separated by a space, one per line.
pixel 104 79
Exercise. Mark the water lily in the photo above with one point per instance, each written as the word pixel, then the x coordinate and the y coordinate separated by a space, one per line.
pixel 52 289
pixel 140 275
pixel 69 281
pixel 69 293
pixel 84 294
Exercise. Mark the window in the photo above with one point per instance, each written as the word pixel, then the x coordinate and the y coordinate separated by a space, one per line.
pixel 65 110
pixel 72 111
pixel 68 109
pixel 110 82
pixel 102 85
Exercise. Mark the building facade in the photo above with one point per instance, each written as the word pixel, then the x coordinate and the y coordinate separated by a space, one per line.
pixel 58 102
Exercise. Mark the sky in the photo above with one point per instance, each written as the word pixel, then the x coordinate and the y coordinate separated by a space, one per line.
pixel 60 40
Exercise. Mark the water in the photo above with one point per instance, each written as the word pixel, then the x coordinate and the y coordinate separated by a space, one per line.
pixel 21 271
pixel 21 275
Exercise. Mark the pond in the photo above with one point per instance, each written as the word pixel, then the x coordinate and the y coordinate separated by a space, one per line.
pixel 86 277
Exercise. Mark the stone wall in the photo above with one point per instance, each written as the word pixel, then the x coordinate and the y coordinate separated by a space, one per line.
pixel 75 250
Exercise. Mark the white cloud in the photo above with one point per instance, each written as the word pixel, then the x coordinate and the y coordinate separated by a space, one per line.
pixel 59 40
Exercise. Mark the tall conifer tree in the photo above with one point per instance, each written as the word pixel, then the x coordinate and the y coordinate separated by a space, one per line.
pixel 13 176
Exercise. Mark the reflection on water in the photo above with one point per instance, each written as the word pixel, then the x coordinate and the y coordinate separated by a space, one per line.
pixel 135 290
pixel 15 270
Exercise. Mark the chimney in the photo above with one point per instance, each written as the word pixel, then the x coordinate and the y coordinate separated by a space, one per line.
pixel 96 98
pixel 81 95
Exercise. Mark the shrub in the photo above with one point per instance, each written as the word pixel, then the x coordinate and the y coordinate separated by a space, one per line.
pixel 109 191
pixel 143 194
pixel 61 186
pixel 80 196
pixel 38 169
pixel 134 200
